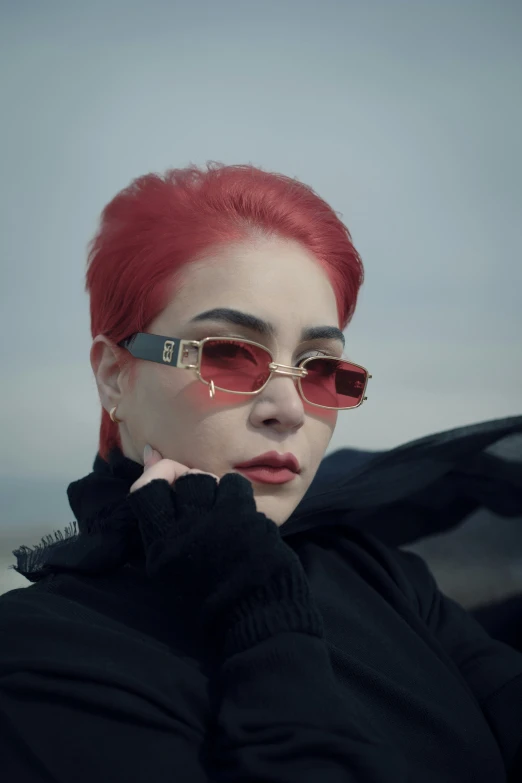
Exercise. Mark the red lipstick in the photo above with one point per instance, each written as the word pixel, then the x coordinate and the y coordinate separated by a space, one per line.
pixel 271 468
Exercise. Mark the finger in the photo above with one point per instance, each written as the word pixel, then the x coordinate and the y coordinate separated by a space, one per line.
pixel 168 470
pixel 150 457
pixel 165 469
pixel 203 473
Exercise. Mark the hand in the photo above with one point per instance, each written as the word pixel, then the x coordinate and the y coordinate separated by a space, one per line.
pixel 155 467
pixel 209 547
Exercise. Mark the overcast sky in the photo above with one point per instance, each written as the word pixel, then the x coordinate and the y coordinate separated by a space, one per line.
pixel 405 116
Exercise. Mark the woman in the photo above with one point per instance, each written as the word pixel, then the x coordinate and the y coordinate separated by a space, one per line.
pixel 183 634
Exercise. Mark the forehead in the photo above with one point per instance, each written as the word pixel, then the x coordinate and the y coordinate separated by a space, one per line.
pixel 277 280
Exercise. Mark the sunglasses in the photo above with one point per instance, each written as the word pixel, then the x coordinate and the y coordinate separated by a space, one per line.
pixel 244 367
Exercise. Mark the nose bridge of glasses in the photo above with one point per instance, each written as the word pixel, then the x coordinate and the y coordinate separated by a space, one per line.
pixel 286 369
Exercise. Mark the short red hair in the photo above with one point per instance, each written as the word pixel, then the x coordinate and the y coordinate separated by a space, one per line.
pixel 159 223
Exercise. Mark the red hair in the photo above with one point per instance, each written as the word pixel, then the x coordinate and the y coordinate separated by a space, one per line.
pixel 159 223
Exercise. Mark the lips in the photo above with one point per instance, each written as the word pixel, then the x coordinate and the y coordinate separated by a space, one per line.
pixel 273 459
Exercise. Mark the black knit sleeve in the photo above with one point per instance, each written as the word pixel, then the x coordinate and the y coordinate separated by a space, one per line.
pixel 492 670
pixel 279 713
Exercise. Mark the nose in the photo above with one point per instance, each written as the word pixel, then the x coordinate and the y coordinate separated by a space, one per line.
pixel 280 403
pixel 280 371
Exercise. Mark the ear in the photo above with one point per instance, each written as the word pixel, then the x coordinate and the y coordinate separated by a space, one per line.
pixel 107 371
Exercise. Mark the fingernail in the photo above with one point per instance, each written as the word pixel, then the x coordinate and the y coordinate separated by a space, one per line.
pixel 147 453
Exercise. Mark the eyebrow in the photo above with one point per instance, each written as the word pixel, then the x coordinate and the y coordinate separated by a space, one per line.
pixel 264 327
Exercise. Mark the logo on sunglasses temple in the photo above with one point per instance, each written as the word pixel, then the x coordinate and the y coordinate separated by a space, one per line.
pixel 168 348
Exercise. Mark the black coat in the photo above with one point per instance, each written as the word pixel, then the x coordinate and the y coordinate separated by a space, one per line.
pixel 181 635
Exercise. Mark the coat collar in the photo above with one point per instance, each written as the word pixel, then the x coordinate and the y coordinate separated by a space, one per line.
pixel 417 490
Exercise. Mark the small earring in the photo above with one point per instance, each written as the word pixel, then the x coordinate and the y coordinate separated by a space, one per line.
pixel 113 416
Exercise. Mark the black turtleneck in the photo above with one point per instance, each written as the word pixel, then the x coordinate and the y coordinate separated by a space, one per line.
pixel 181 635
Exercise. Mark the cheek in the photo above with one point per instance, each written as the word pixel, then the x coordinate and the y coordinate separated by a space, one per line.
pixel 161 387
pixel 332 423
pixel 319 436
pixel 152 399
pixel 166 402
pixel 321 426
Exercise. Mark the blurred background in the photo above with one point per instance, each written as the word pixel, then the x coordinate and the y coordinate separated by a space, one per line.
pixel 405 116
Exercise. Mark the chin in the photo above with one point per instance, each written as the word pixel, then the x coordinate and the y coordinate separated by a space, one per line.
pixel 275 508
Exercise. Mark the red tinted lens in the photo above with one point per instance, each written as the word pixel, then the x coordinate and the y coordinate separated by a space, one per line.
pixel 333 383
pixel 234 365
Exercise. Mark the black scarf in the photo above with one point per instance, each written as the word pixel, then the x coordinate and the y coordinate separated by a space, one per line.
pixel 104 535
pixel 417 490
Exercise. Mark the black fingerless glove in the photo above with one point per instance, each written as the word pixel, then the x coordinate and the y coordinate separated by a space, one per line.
pixel 207 543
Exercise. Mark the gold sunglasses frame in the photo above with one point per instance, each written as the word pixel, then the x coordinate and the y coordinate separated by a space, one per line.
pixel 275 368
pixel 174 351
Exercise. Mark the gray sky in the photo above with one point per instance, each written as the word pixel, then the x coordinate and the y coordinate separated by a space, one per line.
pixel 405 116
